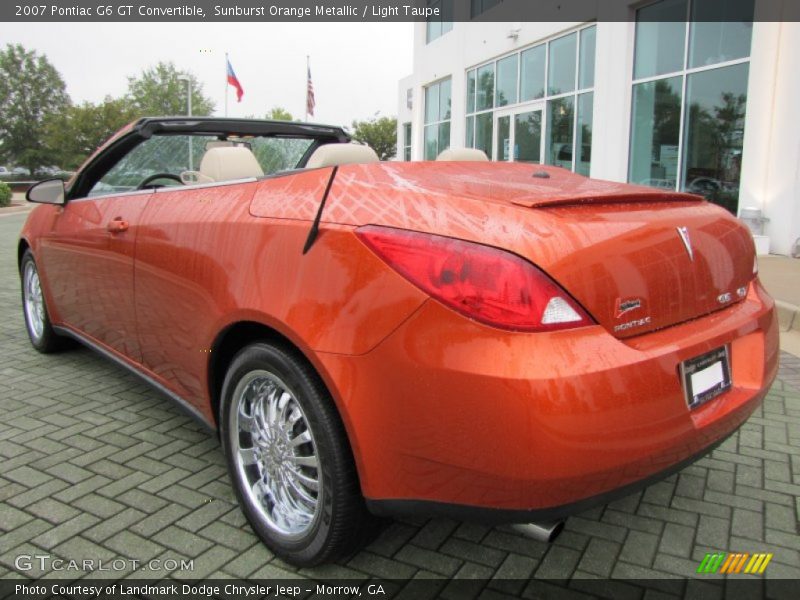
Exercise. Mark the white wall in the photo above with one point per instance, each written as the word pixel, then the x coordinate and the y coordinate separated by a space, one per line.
pixel 771 152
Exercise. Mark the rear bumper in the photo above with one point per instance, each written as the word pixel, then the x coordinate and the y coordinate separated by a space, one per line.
pixel 449 412
pixel 462 512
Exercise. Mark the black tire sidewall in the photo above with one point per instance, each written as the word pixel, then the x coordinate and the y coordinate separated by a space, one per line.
pixel 49 339
pixel 311 547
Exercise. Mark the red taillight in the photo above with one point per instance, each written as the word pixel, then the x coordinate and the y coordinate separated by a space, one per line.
pixel 484 283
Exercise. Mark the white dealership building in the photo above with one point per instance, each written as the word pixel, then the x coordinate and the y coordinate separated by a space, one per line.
pixel 637 92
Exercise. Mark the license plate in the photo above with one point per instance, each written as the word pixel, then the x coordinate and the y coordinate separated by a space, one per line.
pixel 706 377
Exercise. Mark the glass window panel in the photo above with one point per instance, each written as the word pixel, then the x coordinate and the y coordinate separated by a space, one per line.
pixel 655 130
pixel 485 89
pixel 716 102
pixel 532 73
pixel 274 154
pixel 407 141
pixel 560 122
pixel 583 134
pixel 561 76
pixel 483 133
pixel 507 81
pixel 432 103
pixel 440 24
pixel 528 136
pixel 444 137
pixel 504 138
pixel 177 153
pixel 480 6
pixel 720 31
pixel 586 66
pixel 431 141
pixel 407 153
pixel 660 35
pixel 471 91
pixel 434 31
pixel 444 100
pixel 446 15
pixel 469 142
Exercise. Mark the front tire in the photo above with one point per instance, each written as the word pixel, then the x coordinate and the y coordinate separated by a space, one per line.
pixel 289 459
pixel 37 320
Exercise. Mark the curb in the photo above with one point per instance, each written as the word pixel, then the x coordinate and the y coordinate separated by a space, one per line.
pixel 788 316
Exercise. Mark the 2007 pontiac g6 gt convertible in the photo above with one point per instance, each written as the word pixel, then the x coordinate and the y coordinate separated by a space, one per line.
pixel 498 341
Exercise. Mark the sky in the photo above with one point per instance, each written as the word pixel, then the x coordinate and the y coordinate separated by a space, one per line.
pixel 355 67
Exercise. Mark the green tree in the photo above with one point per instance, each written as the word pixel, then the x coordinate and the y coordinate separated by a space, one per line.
pixel 5 194
pixel 159 92
pixel 279 113
pixel 380 134
pixel 80 129
pixel 30 90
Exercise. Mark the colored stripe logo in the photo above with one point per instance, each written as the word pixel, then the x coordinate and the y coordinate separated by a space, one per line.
pixel 735 562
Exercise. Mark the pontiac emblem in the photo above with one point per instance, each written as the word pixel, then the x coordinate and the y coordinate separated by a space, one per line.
pixel 684 233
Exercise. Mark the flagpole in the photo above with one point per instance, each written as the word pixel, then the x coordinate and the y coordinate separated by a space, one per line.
pixel 226 84
pixel 308 70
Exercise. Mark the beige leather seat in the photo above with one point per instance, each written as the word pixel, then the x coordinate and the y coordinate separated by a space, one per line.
pixel 224 163
pixel 462 154
pixel 331 155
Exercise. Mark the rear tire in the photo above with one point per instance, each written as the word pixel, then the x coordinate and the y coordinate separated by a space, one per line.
pixel 289 458
pixel 37 320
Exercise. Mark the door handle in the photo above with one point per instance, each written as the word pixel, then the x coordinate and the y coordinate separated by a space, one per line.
pixel 117 226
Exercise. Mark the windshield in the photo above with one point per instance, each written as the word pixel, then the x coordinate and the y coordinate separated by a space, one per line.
pixel 179 154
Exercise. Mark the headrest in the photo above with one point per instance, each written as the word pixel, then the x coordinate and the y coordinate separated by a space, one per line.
pixel 331 155
pixel 462 154
pixel 226 163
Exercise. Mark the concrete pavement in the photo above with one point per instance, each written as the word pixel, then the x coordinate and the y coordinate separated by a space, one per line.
pixel 781 278
pixel 97 465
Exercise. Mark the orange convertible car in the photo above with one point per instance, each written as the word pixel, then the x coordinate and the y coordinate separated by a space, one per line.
pixel 498 341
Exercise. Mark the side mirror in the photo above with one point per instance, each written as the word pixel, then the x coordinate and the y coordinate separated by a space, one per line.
pixel 49 191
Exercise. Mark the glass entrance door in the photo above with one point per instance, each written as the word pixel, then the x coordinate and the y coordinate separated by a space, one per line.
pixel 519 136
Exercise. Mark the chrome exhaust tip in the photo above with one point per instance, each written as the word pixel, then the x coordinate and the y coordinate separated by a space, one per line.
pixel 545 531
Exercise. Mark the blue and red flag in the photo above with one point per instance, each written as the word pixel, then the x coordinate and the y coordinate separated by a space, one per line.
pixel 234 81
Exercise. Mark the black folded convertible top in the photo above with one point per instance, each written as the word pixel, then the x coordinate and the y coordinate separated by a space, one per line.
pixel 149 126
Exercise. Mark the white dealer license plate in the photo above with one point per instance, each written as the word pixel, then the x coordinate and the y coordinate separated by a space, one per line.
pixel 706 377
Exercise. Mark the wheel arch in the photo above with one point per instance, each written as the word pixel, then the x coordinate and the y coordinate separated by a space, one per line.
pixel 235 336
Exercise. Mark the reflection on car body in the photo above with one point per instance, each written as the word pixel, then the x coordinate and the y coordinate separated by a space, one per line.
pixel 371 338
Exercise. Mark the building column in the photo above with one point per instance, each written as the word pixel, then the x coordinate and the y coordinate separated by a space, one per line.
pixel 612 100
pixel 771 152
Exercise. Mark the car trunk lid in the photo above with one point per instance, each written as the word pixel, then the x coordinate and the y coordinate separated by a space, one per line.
pixel 636 258
pixel 638 267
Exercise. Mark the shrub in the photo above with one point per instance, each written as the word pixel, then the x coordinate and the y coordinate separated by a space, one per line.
pixel 5 194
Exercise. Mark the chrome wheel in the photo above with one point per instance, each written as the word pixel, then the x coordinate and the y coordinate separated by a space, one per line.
pixel 34 303
pixel 275 453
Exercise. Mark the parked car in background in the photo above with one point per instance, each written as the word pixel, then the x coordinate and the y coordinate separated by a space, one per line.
pixel 499 341
pixel 20 171
pixel 4 171
pixel 51 171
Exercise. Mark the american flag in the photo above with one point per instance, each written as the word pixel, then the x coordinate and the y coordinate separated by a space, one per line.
pixel 310 103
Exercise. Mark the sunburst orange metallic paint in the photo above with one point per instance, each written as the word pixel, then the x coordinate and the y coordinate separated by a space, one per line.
pixel 437 407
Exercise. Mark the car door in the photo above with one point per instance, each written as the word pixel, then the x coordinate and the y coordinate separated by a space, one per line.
pixel 89 254
pixel 87 257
